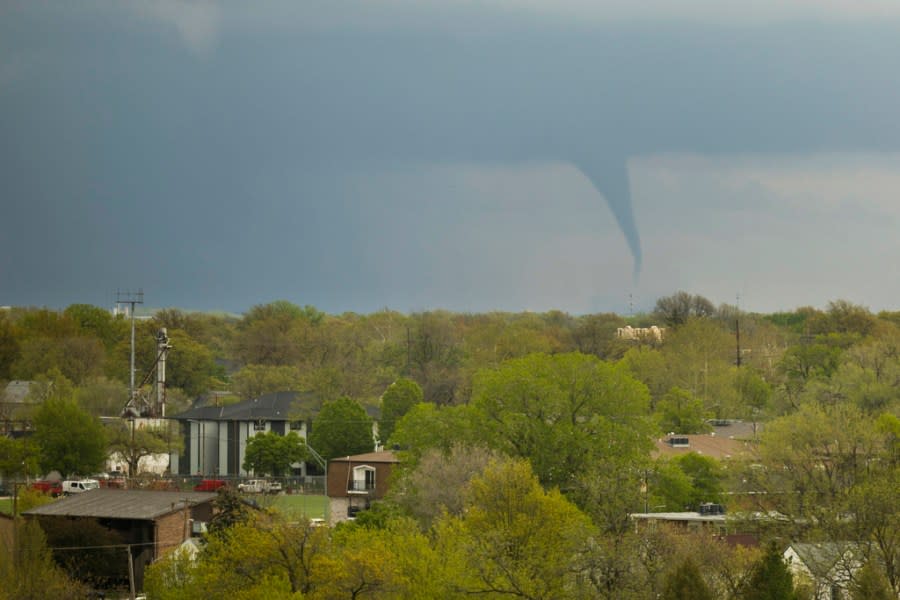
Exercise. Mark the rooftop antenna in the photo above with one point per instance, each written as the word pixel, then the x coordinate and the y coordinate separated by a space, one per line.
pixel 131 299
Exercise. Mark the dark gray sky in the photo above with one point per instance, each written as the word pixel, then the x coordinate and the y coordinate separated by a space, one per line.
pixel 507 154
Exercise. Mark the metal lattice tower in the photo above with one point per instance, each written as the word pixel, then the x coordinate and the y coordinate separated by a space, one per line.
pixel 131 299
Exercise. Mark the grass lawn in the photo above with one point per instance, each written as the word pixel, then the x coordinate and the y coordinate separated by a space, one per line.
pixel 6 505
pixel 298 505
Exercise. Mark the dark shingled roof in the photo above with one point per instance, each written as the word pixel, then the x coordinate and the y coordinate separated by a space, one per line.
pixel 277 406
pixel 121 504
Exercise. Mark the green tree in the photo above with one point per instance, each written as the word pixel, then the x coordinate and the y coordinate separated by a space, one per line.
pixel 230 510
pixel 706 477
pixel 252 381
pixel 96 321
pixel 134 442
pixel 435 354
pixel 680 412
pixel 496 537
pixel 102 397
pixel 341 428
pixel 871 584
pixel 273 334
pixel 396 401
pixel 438 484
pixel 811 461
pixel 70 439
pixel 18 457
pixel 678 308
pixel 686 583
pixel 190 365
pixel 561 413
pixel 9 346
pixel 427 426
pixel 273 454
pixel 770 578
pixel 28 572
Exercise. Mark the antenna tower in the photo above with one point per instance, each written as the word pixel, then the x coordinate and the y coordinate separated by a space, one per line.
pixel 131 299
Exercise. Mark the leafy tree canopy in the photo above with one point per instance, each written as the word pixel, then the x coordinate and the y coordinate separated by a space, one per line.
pixel 71 440
pixel 273 454
pixel 396 401
pixel 341 428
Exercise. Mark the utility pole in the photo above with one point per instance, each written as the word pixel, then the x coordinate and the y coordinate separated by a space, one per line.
pixel 131 587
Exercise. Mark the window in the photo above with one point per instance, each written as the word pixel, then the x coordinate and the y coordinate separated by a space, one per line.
pixel 296 425
pixel 259 426
pixel 363 479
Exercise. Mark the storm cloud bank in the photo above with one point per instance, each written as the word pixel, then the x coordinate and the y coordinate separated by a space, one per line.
pixel 183 147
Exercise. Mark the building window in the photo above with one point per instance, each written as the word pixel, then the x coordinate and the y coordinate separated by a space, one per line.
pixel 363 479
pixel 259 426
pixel 296 425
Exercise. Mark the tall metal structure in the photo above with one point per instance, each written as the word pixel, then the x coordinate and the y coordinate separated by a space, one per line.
pixel 131 299
pixel 162 350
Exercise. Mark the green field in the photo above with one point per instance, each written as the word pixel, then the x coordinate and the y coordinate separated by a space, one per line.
pixel 6 505
pixel 298 505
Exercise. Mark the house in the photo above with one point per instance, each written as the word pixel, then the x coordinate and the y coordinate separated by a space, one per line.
pixel 651 334
pixel 149 523
pixel 354 482
pixel 157 463
pixel 827 567
pixel 16 407
pixel 215 437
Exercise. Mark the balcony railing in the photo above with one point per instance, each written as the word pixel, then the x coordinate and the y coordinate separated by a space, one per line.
pixel 361 486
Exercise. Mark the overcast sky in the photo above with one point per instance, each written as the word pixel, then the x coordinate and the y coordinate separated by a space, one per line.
pixel 494 155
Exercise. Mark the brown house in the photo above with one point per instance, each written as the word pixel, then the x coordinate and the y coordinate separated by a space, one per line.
pixel 149 523
pixel 355 481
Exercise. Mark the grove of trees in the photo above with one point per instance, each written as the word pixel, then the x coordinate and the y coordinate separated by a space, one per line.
pixel 525 439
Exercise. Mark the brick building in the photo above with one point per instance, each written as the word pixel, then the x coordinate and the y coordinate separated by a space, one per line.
pixel 149 523
pixel 355 481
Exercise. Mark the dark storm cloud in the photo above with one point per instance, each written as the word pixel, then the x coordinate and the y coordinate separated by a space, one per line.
pixel 201 149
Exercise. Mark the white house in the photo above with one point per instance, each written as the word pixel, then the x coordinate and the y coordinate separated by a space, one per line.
pixel 828 568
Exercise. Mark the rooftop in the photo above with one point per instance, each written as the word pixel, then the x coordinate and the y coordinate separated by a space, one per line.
pixel 370 457
pixel 277 406
pixel 715 446
pixel 121 504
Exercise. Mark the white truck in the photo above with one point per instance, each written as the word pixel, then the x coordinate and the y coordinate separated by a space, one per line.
pixel 79 486
pixel 259 486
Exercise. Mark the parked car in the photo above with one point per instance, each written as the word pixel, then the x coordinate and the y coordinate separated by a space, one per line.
pixel 79 486
pixel 53 488
pixel 210 485
pixel 259 486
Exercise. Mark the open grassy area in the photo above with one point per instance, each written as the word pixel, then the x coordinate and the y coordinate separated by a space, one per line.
pixel 298 505
pixel 6 505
